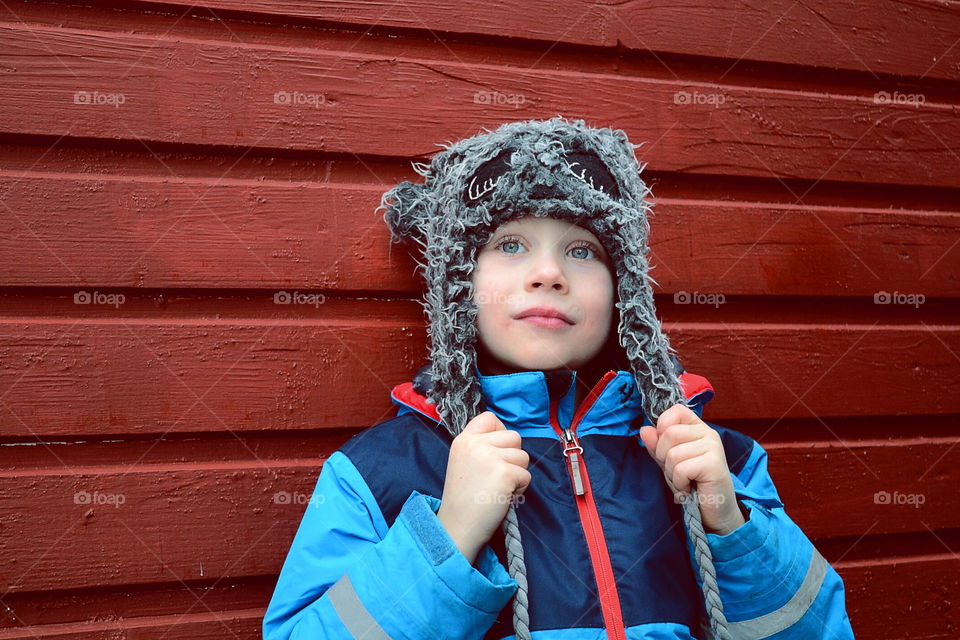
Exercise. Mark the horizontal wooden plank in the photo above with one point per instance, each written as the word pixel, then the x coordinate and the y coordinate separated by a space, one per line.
pixel 215 625
pixel 918 55
pixel 239 234
pixel 116 231
pixel 123 376
pixel 22 455
pixel 157 89
pixel 142 526
pixel 908 598
pixel 139 524
pixel 821 370
pixel 916 40
pixel 849 487
pixel 173 449
pixel 877 595
pixel 166 377
pixel 46 610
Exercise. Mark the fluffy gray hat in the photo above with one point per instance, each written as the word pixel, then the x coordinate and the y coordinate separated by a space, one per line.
pixel 565 170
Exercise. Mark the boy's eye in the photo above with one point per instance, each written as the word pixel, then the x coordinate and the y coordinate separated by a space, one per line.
pixel 506 242
pixel 588 249
pixel 513 245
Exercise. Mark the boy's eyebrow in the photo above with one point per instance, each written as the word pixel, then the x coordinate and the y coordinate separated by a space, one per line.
pixel 587 237
pixel 497 233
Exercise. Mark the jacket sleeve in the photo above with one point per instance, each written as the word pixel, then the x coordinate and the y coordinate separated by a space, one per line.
pixel 347 575
pixel 773 582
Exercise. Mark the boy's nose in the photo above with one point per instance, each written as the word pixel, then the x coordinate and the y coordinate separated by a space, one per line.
pixel 546 272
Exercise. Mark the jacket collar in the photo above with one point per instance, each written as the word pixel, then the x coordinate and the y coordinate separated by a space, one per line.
pixel 523 400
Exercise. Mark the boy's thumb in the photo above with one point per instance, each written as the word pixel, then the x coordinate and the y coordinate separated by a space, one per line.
pixel 649 436
pixel 484 422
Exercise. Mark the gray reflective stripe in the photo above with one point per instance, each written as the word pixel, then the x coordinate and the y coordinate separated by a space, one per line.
pixel 787 615
pixel 353 614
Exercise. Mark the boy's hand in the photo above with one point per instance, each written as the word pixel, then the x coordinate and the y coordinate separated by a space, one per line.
pixel 486 469
pixel 689 451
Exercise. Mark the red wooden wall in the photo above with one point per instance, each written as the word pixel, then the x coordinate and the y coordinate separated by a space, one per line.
pixel 159 441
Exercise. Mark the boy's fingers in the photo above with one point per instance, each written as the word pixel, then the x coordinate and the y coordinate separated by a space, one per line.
pixel 675 436
pixel 677 414
pixel 681 453
pixel 685 472
pixel 517 457
pixel 505 439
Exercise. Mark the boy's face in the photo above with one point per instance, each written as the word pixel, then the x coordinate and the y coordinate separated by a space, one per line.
pixel 542 262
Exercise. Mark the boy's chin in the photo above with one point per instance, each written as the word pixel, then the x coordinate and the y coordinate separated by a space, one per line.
pixel 518 363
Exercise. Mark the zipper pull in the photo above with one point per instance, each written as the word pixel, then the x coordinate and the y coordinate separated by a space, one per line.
pixel 572 451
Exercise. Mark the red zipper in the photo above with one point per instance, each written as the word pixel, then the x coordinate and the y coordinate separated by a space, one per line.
pixel 589 518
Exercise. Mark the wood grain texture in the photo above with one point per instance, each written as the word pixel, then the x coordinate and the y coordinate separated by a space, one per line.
pixel 134 377
pixel 899 38
pixel 182 165
pixel 149 233
pixel 189 91
pixel 181 522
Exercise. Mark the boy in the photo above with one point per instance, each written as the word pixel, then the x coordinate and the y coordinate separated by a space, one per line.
pixel 547 398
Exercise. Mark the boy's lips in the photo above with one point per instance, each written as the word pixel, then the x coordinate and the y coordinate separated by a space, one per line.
pixel 545 317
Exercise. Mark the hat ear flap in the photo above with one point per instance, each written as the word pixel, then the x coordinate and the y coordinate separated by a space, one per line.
pixel 407 207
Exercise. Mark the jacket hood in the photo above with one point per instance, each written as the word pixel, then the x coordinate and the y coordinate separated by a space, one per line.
pixel 522 401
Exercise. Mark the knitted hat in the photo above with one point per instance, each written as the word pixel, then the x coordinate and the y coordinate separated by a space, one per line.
pixel 554 168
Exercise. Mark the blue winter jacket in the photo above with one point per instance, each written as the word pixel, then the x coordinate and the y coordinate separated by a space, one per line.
pixel 606 552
